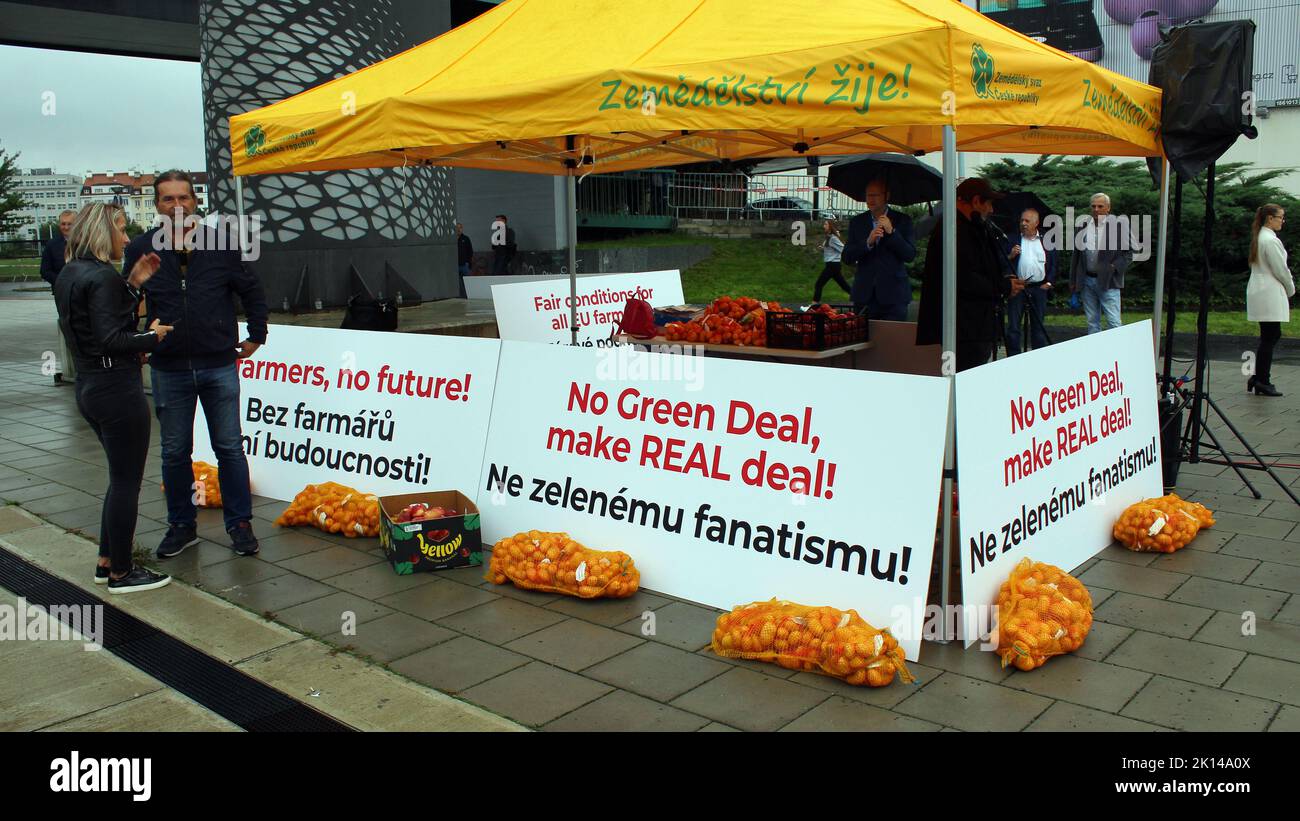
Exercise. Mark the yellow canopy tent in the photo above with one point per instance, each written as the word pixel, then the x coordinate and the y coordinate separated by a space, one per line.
pixel 535 85
pixel 569 87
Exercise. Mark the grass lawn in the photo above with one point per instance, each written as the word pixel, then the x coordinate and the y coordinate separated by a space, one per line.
pixel 12 270
pixel 776 269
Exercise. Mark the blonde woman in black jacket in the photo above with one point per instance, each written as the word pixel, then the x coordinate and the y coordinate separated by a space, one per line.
pixel 98 314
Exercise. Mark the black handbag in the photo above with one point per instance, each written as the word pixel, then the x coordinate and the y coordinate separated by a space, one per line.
pixel 370 314
pixel 365 311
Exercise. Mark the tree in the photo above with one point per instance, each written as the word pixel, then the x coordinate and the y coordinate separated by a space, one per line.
pixel 11 200
pixel 1065 182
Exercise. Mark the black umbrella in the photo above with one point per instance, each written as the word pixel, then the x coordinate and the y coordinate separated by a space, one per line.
pixel 1006 213
pixel 909 180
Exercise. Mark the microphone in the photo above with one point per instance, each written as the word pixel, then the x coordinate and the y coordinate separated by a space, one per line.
pixel 995 230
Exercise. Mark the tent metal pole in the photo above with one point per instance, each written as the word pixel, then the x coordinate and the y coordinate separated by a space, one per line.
pixel 949 308
pixel 239 213
pixel 571 217
pixel 1160 256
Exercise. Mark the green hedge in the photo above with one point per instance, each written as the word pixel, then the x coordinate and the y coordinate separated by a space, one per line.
pixel 1062 182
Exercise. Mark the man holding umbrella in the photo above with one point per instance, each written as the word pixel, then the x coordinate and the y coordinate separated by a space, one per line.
pixel 880 243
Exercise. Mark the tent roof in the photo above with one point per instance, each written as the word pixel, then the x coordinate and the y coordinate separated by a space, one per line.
pixel 571 86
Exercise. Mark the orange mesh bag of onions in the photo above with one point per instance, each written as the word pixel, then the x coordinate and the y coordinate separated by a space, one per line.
pixel 1042 612
pixel 1204 516
pixel 823 640
pixel 1163 524
pixel 555 563
pixel 334 508
pixel 207 487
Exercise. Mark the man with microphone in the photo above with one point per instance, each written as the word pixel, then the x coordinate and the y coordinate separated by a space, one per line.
pixel 880 243
pixel 982 280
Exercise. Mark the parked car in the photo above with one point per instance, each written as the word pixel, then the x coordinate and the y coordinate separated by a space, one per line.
pixel 784 208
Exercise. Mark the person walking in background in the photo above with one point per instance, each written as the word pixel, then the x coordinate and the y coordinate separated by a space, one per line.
pixel 880 244
pixel 1267 292
pixel 1035 265
pixel 195 291
pixel 52 263
pixel 832 247
pixel 98 314
pixel 503 245
pixel 1097 266
pixel 464 256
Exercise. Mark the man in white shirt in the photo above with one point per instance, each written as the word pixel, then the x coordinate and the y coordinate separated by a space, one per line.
pixel 1035 265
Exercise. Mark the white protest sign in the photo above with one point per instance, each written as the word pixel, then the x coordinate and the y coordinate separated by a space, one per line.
pixel 480 286
pixel 1052 445
pixel 726 481
pixel 379 412
pixel 539 311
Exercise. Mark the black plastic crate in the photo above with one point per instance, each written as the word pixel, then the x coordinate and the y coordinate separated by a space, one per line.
pixel 815 331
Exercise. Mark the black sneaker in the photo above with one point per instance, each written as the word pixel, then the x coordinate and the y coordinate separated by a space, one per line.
pixel 242 540
pixel 140 578
pixel 177 539
pixel 101 574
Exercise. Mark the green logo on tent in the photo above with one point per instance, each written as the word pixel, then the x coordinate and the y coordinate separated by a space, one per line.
pixel 254 140
pixel 981 70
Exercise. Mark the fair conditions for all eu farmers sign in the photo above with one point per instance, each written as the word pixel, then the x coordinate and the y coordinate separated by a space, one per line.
pixel 540 311
pixel 726 481
pixel 319 404
pixel 1052 445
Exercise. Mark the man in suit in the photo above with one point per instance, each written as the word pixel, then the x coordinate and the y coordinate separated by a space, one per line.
pixel 1102 255
pixel 981 284
pixel 880 244
pixel 51 265
pixel 1035 264
pixel 52 254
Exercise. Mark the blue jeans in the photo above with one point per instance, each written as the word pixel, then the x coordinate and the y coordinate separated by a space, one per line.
pixel 174 396
pixel 1096 302
pixel 1015 312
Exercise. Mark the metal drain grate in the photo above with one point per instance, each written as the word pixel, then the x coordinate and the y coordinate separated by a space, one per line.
pixel 226 691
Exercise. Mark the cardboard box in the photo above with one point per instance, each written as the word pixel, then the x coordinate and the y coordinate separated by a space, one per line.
pixel 435 544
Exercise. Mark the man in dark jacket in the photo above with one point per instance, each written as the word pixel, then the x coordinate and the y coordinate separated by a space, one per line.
pixel 194 291
pixel 1034 262
pixel 464 256
pixel 880 244
pixel 52 254
pixel 503 245
pixel 51 264
pixel 981 284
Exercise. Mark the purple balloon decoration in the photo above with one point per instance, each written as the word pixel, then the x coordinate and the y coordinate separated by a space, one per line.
pixel 1127 11
pixel 1146 32
pixel 1180 10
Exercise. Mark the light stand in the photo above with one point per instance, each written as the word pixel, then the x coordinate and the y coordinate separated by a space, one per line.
pixel 1198 396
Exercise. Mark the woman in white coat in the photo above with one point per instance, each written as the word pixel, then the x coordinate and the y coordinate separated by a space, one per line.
pixel 1267 292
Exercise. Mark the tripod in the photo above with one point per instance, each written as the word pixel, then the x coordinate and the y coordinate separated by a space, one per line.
pixel 1030 320
pixel 1198 396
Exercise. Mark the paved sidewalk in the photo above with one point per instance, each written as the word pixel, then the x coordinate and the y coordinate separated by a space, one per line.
pixel 1166 650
